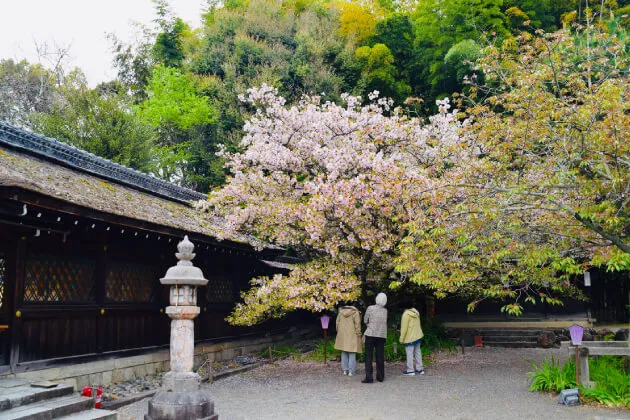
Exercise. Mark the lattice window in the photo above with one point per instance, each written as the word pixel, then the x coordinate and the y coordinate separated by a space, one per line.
pixel 219 289
pixel 130 283
pixel 3 270
pixel 56 279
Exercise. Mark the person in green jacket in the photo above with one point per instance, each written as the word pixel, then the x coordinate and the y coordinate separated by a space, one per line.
pixel 411 337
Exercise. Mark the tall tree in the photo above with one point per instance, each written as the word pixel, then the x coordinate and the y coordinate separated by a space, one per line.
pixel 397 33
pixel 439 25
pixel 168 48
pixel 24 88
pixel 378 73
pixel 334 182
pixel 358 20
pixel 181 117
pixel 101 121
pixel 546 191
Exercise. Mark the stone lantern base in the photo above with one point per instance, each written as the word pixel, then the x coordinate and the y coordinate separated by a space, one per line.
pixel 167 405
pixel 180 397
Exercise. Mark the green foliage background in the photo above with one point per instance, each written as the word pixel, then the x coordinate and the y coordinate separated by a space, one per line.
pixel 175 100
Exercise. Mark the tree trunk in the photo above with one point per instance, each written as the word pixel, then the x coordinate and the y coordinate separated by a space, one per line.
pixel 363 276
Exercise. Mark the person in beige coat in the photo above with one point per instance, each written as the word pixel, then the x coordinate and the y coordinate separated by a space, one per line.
pixel 411 337
pixel 348 338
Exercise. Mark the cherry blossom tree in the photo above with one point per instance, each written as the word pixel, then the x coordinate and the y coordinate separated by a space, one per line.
pixel 547 192
pixel 336 183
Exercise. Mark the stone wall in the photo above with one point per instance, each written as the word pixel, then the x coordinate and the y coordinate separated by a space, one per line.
pixel 119 369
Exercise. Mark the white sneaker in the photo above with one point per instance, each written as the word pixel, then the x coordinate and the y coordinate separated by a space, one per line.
pixel 349 373
pixel 345 372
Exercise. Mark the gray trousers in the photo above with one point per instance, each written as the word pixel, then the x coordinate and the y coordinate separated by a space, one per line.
pixel 349 362
pixel 414 356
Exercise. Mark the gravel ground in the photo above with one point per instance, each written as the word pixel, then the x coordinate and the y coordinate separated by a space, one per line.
pixel 485 383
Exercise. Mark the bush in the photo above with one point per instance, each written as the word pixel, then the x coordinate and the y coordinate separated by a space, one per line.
pixel 552 377
pixel 612 383
pixel 281 352
pixel 318 354
pixel 435 337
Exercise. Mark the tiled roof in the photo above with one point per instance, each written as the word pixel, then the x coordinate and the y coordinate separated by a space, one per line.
pixel 49 149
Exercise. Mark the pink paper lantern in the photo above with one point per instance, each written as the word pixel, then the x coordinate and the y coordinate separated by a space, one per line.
pixel 325 319
pixel 577 332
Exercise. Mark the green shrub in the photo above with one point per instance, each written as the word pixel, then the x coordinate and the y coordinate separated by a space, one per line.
pixel 318 354
pixel 552 377
pixel 612 383
pixel 394 352
pixel 435 337
pixel 281 352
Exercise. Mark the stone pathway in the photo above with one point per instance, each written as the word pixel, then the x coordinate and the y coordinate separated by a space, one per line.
pixel 485 383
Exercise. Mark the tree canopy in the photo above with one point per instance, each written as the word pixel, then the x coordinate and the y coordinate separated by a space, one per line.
pixel 344 150
pixel 337 183
pixel 509 204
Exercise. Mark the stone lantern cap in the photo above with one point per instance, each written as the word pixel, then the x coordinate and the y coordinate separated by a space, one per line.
pixel 184 273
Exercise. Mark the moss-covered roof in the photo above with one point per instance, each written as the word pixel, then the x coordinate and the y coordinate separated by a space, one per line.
pixel 53 150
pixel 83 189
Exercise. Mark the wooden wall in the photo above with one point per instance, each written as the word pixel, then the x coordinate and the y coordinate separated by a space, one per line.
pixel 90 288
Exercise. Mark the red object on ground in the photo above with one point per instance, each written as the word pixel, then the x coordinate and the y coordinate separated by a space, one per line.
pixel 87 391
pixel 99 397
pixel 478 342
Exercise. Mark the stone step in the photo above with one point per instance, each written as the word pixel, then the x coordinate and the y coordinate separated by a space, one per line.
pixel 49 409
pixel 500 332
pixel 93 414
pixel 19 394
pixel 503 337
pixel 512 344
pixel 494 338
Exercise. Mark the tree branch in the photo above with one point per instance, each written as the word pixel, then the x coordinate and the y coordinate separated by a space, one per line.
pixel 615 240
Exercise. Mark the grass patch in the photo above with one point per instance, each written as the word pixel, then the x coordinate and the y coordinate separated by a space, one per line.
pixel 612 382
pixel 317 355
pixel 281 352
pixel 551 376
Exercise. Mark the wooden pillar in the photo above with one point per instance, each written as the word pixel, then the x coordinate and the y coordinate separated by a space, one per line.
pixel 18 300
pixel 99 289
pixel 585 378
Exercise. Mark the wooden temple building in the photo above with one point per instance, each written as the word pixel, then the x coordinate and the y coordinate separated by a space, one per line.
pixel 83 243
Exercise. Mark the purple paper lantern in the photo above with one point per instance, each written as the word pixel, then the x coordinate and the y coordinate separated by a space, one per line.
pixel 577 332
pixel 325 319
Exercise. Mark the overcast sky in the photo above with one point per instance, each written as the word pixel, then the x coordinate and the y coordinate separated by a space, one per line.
pixel 82 24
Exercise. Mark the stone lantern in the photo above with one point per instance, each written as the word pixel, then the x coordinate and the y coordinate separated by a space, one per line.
pixel 181 396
